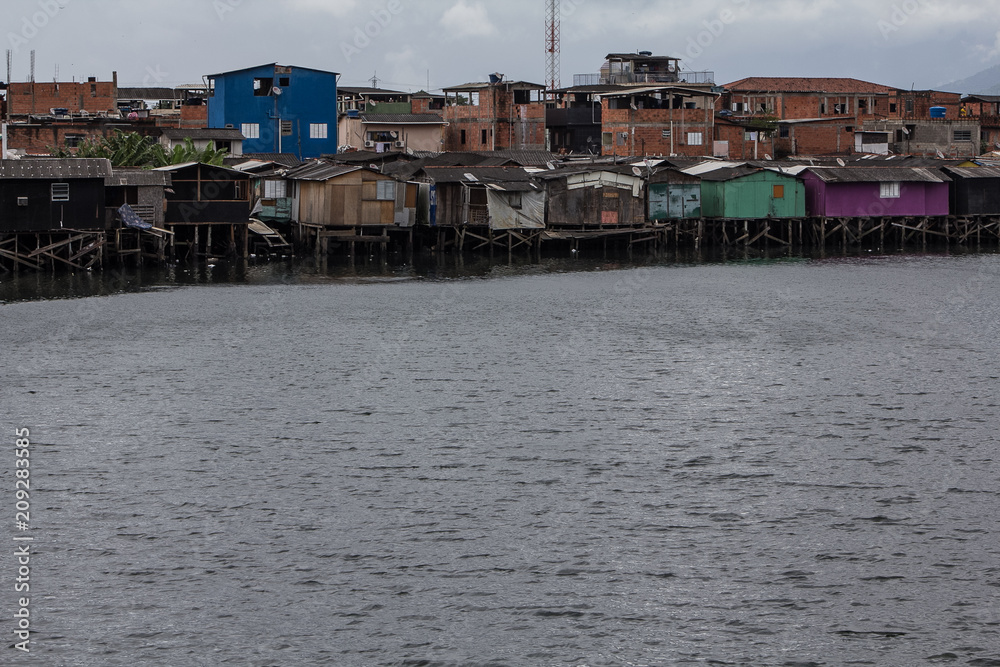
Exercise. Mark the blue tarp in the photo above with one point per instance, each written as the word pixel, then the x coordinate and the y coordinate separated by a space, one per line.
pixel 131 219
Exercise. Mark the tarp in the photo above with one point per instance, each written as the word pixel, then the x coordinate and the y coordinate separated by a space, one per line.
pixel 131 219
pixel 505 214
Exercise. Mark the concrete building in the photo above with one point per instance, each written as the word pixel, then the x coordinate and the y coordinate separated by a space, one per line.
pixel 277 108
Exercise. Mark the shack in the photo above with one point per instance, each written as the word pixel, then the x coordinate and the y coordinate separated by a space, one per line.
pixel 207 209
pixel 337 195
pixel 673 195
pixel 866 192
pixel 493 197
pixel 748 193
pixel 974 190
pixel 38 195
pixel 142 189
pixel 595 195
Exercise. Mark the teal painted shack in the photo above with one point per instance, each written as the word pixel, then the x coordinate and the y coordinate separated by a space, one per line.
pixel 746 193
pixel 674 194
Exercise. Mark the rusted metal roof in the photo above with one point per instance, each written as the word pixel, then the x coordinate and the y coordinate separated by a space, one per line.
pixel 878 175
pixel 224 133
pixel 52 169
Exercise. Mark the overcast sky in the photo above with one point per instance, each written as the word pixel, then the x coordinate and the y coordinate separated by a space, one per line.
pixel 904 43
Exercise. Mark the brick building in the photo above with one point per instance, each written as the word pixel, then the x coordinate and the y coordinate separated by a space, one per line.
pixel 659 120
pixel 791 98
pixel 494 116
pixel 91 96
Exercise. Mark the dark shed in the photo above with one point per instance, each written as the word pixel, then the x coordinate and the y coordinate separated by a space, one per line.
pixel 974 190
pixel 207 194
pixel 38 195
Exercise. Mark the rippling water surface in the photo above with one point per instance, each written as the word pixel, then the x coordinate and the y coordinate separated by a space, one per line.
pixel 750 463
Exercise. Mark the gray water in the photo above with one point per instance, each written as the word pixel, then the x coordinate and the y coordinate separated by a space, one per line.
pixel 749 463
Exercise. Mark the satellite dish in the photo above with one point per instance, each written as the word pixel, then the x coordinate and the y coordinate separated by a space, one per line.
pixel 767 157
pixel 841 162
pixel 637 171
pixel 550 166
pixel 373 166
pixel 276 91
pixel 940 154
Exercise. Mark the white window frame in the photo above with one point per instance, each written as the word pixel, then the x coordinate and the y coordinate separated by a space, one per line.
pixel 318 131
pixel 250 130
pixel 889 190
pixel 275 189
pixel 695 139
pixel 385 191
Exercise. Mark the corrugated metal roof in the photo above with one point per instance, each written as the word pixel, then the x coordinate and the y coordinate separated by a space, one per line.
pixel 149 94
pixel 974 172
pixel 878 175
pixel 710 166
pixel 479 174
pixel 319 170
pixel 284 159
pixel 350 90
pixel 63 168
pixel 225 133
pixel 673 88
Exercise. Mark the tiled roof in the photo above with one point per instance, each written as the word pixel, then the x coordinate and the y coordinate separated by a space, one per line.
pixel 777 84
pixel 402 119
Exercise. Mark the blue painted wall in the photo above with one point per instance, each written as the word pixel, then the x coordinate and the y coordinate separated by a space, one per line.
pixel 309 97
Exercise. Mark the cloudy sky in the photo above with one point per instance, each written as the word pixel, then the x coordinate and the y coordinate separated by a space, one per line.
pixel 408 43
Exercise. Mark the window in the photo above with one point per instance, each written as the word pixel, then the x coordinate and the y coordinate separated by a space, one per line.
pixel 317 131
pixel 778 192
pixel 963 135
pixel 738 107
pixel 60 192
pixel 241 190
pixel 286 128
pixel 462 137
pixel 262 86
pixel 889 190
pixel 275 189
pixel 283 82
pixel 74 140
pixel 892 107
pixel 909 106
pixel 783 131
pixel 607 139
pixel 666 134
pixel 515 200
pixel 474 99
pixel 386 191
pixel 483 137
pixel 250 130
pixel 694 139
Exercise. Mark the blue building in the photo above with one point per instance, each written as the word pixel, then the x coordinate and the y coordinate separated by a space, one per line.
pixel 279 109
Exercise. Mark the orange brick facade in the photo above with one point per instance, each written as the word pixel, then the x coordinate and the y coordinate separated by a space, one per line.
pixel 496 123
pixel 96 97
pixel 683 132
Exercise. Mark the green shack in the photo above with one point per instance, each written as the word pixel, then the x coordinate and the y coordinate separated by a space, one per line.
pixel 747 193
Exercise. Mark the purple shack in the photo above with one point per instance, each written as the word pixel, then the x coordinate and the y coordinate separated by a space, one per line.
pixel 869 192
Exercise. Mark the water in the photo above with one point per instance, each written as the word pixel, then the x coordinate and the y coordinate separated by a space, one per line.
pixel 743 463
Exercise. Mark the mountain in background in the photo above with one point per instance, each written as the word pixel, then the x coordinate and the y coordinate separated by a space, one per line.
pixel 986 82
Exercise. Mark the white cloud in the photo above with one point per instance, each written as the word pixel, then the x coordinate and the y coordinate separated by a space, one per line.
pixel 464 19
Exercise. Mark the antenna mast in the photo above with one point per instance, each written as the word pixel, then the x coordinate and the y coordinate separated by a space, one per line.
pixel 553 29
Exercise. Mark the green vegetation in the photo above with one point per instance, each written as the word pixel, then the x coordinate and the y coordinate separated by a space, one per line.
pixel 130 149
